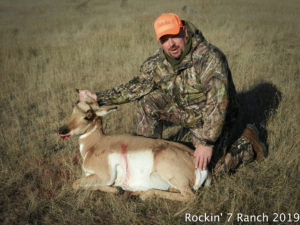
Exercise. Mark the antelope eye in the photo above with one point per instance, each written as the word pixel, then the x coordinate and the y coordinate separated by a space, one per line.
pixel 89 116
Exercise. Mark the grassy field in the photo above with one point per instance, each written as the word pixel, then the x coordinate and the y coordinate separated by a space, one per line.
pixel 49 48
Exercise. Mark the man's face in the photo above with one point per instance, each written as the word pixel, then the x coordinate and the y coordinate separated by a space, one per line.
pixel 173 45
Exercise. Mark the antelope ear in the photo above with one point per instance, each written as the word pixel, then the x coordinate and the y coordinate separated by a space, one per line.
pixel 104 110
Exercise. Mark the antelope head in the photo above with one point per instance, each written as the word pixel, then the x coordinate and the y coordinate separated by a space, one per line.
pixel 85 115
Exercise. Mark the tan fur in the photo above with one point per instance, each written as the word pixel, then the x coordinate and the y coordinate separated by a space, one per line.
pixel 173 162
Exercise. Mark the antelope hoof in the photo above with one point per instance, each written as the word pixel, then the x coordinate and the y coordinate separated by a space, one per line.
pixel 120 191
pixel 134 196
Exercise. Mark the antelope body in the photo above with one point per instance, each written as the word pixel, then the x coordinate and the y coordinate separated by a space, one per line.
pixel 138 164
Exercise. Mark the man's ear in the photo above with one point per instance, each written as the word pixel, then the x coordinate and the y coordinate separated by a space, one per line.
pixel 185 32
pixel 104 110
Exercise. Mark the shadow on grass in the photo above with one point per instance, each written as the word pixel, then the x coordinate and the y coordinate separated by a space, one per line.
pixel 258 104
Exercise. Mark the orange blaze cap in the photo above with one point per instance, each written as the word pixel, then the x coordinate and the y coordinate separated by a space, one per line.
pixel 167 23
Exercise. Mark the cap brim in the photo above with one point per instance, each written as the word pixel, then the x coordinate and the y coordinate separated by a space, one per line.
pixel 172 31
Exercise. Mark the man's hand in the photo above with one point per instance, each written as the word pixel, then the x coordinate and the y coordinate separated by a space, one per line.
pixel 202 156
pixel 84 93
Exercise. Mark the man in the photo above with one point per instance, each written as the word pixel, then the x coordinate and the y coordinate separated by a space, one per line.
pixel 188 82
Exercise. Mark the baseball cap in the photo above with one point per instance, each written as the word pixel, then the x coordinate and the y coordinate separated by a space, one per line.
pixel 167 23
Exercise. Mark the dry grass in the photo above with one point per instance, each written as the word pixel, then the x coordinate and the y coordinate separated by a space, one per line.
pixel 49 48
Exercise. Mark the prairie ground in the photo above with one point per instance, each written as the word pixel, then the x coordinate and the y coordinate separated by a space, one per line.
pixel 49 48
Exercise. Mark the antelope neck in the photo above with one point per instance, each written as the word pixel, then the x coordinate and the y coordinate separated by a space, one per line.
pixel 89 132
pixel 87 140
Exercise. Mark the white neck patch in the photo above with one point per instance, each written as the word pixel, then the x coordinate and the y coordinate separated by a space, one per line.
pixel 88 133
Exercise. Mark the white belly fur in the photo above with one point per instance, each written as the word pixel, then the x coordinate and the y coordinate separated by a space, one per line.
pixel 138 175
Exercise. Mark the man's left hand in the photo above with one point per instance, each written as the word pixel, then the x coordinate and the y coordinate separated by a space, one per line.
pixel 202 156
pixel 84 93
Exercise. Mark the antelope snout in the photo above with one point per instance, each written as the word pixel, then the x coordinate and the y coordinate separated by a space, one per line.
pixel 63 130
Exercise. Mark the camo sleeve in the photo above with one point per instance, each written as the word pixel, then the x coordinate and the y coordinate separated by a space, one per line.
pixel 133 90
pixel 215 85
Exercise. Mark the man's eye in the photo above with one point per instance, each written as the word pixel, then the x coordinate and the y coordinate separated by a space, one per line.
pixel 163 40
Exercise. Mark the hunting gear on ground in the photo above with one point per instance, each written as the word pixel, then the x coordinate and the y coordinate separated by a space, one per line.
pixel 189 84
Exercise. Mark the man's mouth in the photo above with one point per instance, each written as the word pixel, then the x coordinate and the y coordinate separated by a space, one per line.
pixel 174 51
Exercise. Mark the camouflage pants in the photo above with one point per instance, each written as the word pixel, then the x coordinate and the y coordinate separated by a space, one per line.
pixel 156 107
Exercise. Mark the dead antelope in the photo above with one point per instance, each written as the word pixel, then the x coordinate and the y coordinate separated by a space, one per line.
pixel 141 165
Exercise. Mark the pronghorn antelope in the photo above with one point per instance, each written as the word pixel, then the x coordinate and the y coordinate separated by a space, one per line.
pixel 138 164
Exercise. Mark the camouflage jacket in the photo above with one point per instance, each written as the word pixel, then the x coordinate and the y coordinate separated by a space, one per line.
pixel 201 87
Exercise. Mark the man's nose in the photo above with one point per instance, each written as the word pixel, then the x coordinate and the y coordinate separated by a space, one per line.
pixel 171 42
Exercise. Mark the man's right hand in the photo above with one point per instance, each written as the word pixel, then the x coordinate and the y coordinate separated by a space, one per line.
pixel 202 156
pixel 84 93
